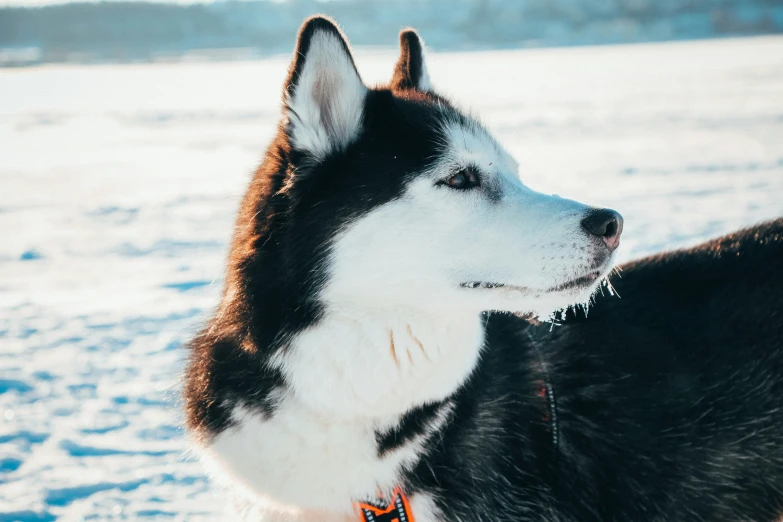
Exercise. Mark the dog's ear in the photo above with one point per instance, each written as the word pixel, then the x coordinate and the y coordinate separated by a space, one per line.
pixel 324 94
pixel 411 70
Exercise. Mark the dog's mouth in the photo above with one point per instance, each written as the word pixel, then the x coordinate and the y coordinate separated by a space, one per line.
pixel 481 284
pixel 578 283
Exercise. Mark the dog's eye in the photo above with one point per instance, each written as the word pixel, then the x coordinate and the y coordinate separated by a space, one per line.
pixel 463 180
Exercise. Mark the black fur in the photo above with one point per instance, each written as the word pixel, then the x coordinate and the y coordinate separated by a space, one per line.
pixel 409 70
pixel 413 424
pixel 664 405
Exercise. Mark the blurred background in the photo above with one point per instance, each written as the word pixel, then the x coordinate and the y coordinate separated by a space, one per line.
pixel 116 31
pixel 129 130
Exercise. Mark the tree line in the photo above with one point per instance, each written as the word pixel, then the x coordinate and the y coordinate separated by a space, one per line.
pixel 139 31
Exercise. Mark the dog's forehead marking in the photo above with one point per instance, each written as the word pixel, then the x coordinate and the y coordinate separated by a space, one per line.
pixel 468 143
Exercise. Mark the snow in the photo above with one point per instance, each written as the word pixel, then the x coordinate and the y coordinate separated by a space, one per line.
pixel 119 184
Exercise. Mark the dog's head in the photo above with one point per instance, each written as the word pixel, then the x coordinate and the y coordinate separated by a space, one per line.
pixel 409 202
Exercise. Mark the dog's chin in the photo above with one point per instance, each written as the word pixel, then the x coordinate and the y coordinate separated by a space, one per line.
pixel 579 293
pixel 539 302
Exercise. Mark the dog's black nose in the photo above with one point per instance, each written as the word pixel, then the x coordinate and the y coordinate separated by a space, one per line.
pixel 606 224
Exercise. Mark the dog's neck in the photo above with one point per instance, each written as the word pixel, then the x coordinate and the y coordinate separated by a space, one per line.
pixel 378 364
pixel 349 379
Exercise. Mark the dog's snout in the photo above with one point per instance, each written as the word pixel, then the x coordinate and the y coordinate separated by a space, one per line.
pixel 606 224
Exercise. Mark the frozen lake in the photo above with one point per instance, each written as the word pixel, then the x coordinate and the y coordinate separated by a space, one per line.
pixel 119 184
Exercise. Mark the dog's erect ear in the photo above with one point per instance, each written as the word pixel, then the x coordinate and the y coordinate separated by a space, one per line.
pixel 324 94
pixel 411 71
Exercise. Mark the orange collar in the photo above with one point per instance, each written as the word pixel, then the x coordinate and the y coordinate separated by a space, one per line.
pixel 398 510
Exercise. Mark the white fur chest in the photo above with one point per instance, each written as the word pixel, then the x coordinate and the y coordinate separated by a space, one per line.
pixel 349 378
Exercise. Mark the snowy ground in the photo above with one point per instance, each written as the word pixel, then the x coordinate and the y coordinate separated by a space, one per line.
pixel 118 186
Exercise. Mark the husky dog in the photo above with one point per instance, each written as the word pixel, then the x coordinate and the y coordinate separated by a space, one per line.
pixel 370 346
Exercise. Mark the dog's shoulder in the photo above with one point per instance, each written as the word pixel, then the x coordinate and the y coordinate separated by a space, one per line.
pixel 752 253
pixel 737 274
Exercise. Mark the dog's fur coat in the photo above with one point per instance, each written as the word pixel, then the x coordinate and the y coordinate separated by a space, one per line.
pixel 354 352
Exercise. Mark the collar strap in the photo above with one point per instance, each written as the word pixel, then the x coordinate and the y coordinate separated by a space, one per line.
pixel 547 392
pixel 397 510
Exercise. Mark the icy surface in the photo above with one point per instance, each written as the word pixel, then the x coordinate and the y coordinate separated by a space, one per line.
pixel 119 184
